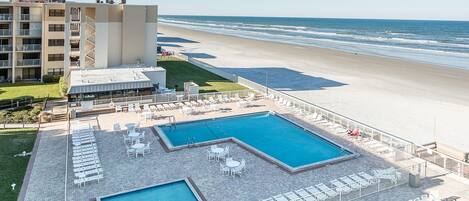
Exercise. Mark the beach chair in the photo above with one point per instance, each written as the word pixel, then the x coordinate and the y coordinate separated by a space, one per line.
pixel 305 195
pixel 368 177
pixel 363 183
pixel 268 199
pixel 328 191
pixel 341 187
pixel 316 193
pixel 280 198
pixel 352 184
pixel 292 196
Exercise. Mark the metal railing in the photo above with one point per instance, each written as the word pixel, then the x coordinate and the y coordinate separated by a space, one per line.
pixel 6 17
pixel 5 48
pixel 445 161
pixel 5 32
pixel 75 49
pixel 29 47
pixel 28 62
pixel 75 33
pixel 29 32
pixel 25 16
pixel 4 63
pixel 165 98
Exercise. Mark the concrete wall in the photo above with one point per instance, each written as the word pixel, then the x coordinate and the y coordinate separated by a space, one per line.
pixel 133 34
pixel 157 77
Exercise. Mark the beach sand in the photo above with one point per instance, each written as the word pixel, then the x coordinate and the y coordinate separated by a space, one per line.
pixel 419 102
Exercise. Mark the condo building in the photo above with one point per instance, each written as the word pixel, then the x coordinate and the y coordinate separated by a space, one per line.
pixel 55 37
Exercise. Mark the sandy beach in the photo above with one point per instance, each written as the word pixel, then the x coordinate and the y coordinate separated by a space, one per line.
pixel 420 102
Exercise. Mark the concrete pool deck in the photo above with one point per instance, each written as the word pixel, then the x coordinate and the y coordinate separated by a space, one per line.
pixel 262 180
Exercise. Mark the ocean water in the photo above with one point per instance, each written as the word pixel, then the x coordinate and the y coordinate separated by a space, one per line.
pixel 266 132
pixel 439 42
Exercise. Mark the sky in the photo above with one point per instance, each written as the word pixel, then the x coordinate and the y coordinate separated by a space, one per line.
pixel 376 9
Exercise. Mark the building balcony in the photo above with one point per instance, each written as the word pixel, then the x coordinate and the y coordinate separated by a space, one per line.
pixel 75 33
pixel 28 62
pixel 5 63
pixel 6 17
pixel 74 64
pixel 29 32
pixel 6 48
pixel 29 47
pixel 5 32
pixel 75 49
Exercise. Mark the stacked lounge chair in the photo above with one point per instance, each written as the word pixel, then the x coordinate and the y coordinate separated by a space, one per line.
pixel 85 160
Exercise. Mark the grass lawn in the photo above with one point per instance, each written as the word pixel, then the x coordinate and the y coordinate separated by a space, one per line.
pixel 38 90
pixel 179 71
pixel 13 169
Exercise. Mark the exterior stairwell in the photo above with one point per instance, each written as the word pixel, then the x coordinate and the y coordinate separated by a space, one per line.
pixel 90 42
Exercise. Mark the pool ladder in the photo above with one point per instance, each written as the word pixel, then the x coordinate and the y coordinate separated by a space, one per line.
pixel 190 142
pixel 172 121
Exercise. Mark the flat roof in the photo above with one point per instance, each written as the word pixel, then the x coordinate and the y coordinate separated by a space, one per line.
pixel 110 79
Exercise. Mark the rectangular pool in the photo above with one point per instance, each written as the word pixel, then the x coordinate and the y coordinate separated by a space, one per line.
pixel 278 139
pixel 180 190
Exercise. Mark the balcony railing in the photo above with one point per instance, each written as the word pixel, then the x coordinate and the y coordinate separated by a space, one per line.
pixel 29 62
pixel 4 63
pixel 75 49
pixel 5 32
pixel 5 48
pixel 74 63
pixel 25 17
pixel 29 47
pixel 75 33
pixel 29 32
pixel 6 17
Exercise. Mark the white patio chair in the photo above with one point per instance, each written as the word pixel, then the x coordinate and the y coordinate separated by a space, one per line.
pixel 239 169
pixel 224 169
pixel 147 148
pixel 130 151
pixel 359 180
pixel 140 152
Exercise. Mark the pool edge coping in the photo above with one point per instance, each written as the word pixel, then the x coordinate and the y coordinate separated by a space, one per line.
pixel 167 146
pixel 188 180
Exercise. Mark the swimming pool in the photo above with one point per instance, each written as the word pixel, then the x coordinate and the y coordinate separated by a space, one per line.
pixel 179 190
pixel 267 134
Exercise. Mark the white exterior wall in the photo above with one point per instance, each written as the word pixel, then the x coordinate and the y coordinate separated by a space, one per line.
pixel 114 44
pixel 150 43
pixel 157 77
pixel 101 48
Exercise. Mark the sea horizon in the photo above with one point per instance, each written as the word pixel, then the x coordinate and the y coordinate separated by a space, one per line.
pixel 439 42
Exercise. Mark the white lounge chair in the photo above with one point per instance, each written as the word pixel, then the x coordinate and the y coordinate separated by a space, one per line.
pixel 328 191
pixel 280 198
pixel 341 187
pixel 368 177
pixel 292 196
pixel 364 183
pixel 305 195
pixel 82 181
pixel 352 184
pixel 316 193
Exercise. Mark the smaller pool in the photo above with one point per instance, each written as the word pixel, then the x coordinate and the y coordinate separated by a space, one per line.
pixel 180 190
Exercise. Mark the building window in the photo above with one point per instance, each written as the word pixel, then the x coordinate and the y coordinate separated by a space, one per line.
pixel 56 42
pixel 56 57
pixel 56 28
pixel 56 13
pixel 31 73
pixel 55 71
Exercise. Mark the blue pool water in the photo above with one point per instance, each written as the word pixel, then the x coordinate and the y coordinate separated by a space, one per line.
pixel 176 191
pixel 266 132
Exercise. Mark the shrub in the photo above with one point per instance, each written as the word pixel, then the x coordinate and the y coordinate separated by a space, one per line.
pixel 63 86
pixel 50 78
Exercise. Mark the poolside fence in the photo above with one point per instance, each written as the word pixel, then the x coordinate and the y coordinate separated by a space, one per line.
pixel 442 160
